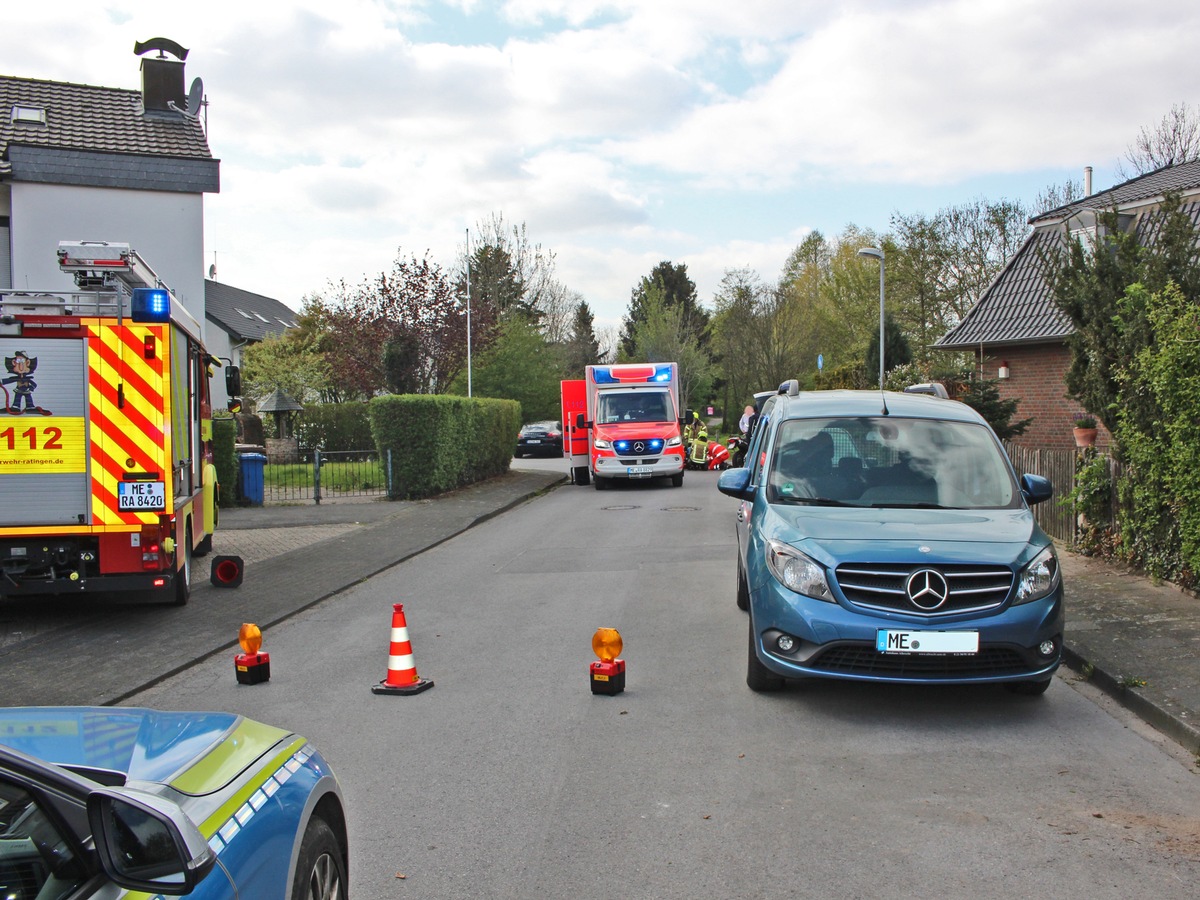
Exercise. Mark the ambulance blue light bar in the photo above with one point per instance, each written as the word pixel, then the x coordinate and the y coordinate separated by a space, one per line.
pixel 632 374
pixel 625 446
pixel 151 305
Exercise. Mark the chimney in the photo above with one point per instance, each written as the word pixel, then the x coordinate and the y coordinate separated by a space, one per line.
pixel 1087 178
pixel 162 78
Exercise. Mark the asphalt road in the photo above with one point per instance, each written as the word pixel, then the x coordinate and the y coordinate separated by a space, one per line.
pixel 509 779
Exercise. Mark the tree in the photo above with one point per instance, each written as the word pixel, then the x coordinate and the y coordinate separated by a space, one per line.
pixel 673 289
pixel 582 348
pixel 520 365
pixel 1056 196
pixel 664 336
pixel 293 362
pixel 896 351
pixel 983 395
pixel 413 310
pixel 1090 283
pixel 1175 140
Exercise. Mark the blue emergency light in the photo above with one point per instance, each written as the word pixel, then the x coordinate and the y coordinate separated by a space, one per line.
pixel 151 305
pixel 625 446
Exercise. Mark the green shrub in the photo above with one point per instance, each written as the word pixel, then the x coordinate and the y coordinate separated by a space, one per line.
pixel 335 427
pixel 225 459
pixel 439 443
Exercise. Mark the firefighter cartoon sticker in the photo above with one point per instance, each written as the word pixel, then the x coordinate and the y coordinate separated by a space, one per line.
pixel 20 367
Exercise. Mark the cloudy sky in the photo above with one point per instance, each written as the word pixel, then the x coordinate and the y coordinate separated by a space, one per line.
pixel 622 132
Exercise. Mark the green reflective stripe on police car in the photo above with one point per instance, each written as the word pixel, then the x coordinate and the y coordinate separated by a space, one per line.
pixel 240 749
pixel 226 811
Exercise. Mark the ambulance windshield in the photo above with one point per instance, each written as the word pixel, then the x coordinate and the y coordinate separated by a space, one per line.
pixel 634 406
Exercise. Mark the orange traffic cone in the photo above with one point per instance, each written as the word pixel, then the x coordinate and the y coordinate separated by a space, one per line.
pixel 402 675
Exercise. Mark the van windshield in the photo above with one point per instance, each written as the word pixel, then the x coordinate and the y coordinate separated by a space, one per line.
pixel 634 406
pixel 890 462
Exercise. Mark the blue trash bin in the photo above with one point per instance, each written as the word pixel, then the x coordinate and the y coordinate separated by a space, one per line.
pixel 252 477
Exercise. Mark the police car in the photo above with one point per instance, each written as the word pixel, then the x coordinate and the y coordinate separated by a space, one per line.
pixel 98 801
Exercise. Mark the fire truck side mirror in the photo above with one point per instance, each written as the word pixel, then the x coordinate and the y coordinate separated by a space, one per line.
pixel 579 421
pixel 233 381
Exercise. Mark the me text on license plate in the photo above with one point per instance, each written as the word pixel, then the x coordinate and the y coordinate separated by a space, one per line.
pixel 896 641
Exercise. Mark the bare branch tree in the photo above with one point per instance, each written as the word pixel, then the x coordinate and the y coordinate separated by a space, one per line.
pixel 1175 140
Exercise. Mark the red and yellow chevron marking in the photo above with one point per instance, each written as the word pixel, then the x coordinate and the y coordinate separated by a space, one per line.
pixel 130 436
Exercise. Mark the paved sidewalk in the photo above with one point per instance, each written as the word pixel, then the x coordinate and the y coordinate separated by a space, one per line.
pixel 1138 641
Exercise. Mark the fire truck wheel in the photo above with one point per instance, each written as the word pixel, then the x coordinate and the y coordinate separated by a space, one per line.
pixel 600 483
pixel 204 547
pixel 183 577
pixel 677 480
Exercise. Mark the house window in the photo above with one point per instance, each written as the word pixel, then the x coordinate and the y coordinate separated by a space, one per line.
pixel 243 313
pixel 28 115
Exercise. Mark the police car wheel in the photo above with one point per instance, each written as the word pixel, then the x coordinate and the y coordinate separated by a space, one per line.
pixel 320 871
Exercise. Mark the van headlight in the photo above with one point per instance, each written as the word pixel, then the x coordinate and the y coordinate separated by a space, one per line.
pixel 1038 578
pixel 797 572
pixel 602 444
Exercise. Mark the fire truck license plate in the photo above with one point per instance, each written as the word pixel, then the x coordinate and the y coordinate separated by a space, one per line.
pixel 640 471
pixel 136 496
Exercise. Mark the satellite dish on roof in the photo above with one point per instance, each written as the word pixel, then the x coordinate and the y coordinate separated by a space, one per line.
pixel 195 98
pixel 212 272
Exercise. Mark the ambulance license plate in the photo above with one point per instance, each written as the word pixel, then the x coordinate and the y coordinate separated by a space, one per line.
pixel 946 642
pixel 137 496
pixel 639 471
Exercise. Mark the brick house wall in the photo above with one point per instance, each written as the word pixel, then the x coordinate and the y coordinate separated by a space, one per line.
pixel 1037 379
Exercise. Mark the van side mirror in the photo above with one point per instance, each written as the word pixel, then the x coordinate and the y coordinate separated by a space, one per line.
pixel 1036 489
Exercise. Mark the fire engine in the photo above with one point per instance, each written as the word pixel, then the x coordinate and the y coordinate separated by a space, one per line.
pixel 107 480
pixel 633 422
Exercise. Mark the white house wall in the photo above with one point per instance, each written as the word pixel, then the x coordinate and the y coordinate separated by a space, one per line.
pixel 165 228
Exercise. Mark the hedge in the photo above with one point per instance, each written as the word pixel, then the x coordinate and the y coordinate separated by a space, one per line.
pixel 225 459
pixel 439 443
pixel 335 427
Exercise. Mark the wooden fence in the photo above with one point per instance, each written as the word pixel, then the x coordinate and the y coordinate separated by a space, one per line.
pixel 1056 517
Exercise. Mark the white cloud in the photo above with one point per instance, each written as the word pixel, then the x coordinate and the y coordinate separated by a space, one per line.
pixel 621 132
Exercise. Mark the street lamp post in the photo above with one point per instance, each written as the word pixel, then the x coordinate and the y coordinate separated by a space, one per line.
pixel 876 253
pixel 468 312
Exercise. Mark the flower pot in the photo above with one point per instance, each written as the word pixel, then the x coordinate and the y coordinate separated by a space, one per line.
pixel 1085 437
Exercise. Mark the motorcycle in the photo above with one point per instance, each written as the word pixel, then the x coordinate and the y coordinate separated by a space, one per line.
pixel 736 447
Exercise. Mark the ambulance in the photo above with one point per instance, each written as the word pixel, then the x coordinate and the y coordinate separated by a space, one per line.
pixel 107 480
pixel 633 423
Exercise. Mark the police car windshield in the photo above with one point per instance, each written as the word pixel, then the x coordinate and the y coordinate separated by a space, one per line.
pixel 889 462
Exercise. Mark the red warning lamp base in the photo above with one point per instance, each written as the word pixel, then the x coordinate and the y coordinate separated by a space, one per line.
pixel 608 677
pixel 253 668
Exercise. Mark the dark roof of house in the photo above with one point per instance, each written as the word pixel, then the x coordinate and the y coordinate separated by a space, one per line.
pixel 244 315
pixel 99 136
pixel 1018 307
pixel 1183 177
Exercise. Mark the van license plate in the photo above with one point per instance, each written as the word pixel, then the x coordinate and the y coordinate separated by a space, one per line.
pixel 895 641
pixel 638 471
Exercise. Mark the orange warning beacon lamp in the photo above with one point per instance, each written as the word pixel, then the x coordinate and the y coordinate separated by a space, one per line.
pixel 608 673
pixel 252 666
